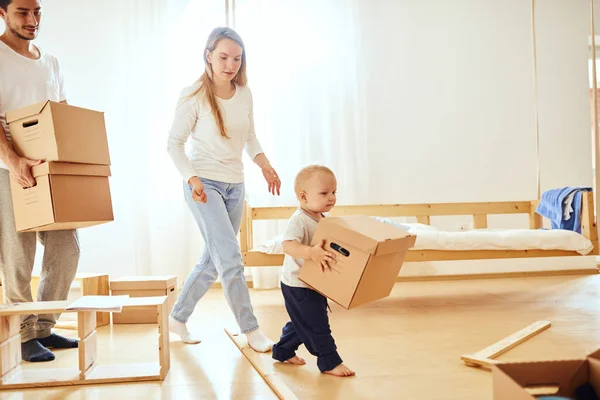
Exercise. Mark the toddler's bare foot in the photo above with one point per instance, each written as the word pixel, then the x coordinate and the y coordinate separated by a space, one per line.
pixel 296 360
pixel 340 370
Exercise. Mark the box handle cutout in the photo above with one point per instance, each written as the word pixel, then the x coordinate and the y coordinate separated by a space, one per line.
pixel 31 123
pixel 339 249
pixel 172 289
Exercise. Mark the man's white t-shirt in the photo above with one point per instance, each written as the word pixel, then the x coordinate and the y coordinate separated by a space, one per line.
pixel 301 227
pixel 24 82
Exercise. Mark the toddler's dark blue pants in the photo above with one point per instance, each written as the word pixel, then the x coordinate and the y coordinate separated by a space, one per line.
pixel 309 325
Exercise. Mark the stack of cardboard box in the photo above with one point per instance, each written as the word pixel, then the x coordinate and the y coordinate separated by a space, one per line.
pixel 72 189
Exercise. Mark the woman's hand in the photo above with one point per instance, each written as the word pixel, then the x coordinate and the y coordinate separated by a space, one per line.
pixel 198 193
pixel 272 179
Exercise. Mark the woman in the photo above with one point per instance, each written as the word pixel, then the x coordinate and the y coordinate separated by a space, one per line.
pixel 216 114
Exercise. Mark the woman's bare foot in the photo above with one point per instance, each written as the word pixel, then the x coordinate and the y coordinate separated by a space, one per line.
pixel 296 360
pixel 340 370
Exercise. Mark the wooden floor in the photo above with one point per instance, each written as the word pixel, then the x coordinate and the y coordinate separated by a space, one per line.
pixel 407 346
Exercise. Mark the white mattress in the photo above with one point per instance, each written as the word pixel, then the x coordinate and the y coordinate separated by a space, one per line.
pixel 430 238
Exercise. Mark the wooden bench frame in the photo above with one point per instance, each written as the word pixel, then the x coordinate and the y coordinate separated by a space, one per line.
pixel 423 213
pixel 13 376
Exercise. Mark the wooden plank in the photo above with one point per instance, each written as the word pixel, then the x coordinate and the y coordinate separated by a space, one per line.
pixel 424 219
pixel 472 361
pixel 9 327
pixel 163 340
pixel 405 210
pixel 448 255
pixel 87 354
pixel 42 307
pixel 497 275
pixel 261 213
pixel 86 323
pixel 480 221
pixel 513 340
pixel 485 357
pixel 97 285
pixel 278 387
pixel 41 378
pixel 258 259
pixel 10 354
pixel 535 221
pixel 588 223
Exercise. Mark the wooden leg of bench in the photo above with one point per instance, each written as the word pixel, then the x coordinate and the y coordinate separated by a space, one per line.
pixel 163 339
pixel 10 343
pixel 86 324
pixel 97 286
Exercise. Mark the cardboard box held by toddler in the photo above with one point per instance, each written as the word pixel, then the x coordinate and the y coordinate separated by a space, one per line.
pixel 369 256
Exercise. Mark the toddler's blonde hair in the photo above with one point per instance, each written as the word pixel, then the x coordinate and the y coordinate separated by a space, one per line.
pixel 306 174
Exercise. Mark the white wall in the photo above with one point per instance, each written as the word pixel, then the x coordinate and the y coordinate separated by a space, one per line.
pixel 450 95
pixel 451 98
pixel 562 35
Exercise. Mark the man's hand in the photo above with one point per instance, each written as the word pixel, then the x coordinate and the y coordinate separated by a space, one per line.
pixel 20 169
pixel 322 257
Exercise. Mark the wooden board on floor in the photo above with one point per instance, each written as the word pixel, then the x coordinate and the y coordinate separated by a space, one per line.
pixel 484 358
pixel 275 383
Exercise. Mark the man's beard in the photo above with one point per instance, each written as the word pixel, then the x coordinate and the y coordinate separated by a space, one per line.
pixel 16 33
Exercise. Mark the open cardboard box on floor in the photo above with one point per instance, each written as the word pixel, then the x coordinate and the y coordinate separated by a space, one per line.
pixel 66 196
pixel 571 379
pixel 53 131
pixel 369 255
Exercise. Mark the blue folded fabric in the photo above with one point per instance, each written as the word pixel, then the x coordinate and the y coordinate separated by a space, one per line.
pixel 552 206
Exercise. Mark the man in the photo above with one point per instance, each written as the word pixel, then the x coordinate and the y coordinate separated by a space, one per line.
pixel 28 76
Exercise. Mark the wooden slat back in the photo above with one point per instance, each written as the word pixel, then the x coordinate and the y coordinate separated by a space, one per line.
pixel 405 210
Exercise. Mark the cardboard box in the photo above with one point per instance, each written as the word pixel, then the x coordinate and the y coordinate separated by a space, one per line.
pixel 53 131
pixel 66 196
pixel 369 254
pixel 143 286
pixel 520 380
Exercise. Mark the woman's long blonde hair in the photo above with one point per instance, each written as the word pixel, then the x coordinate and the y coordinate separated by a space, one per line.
pixel 206 80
